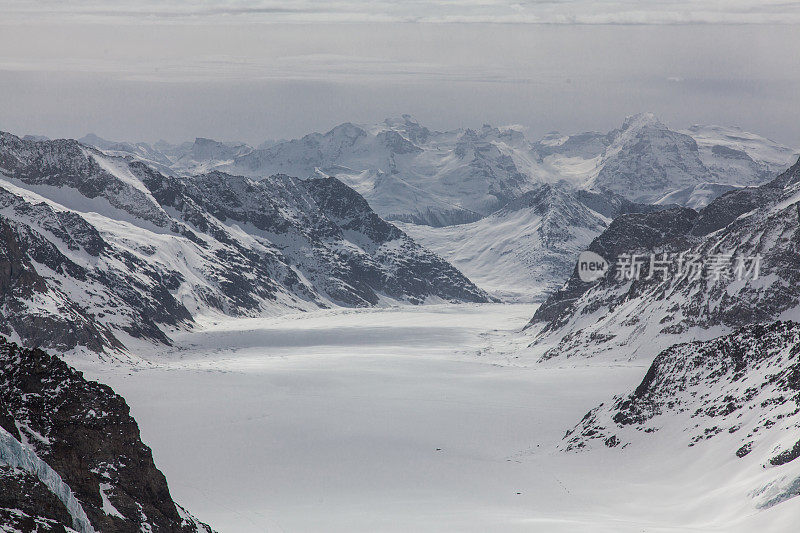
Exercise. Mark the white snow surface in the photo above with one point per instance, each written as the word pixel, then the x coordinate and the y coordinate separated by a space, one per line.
pixel 108 507
pixel 434 418
pixel 517 255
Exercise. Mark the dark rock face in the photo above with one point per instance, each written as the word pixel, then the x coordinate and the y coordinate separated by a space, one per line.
pixel 166 247
pixel 85 433
pixel 786 456
pixel 633 231
pixel 745 223
pixel 26 504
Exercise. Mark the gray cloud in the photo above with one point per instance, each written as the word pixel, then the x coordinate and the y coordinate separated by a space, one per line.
pixel 436 11
pixel 252 82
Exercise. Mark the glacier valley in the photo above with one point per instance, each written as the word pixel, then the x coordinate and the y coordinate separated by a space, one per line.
pixel 429 418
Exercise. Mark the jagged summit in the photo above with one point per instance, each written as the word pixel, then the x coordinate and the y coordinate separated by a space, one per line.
pixel 639 121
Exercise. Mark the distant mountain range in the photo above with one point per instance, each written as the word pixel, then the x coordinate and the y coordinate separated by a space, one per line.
pixel 410 173
pixel 456 190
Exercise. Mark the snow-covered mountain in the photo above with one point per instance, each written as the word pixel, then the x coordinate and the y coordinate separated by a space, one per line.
pixel 637 316
pixel 525 250
pixel 737 398
pixel 645 160
pixel 720 399
pixel 730 152
pixel 196 157
pixel 71 458
pixel 411 173
pixel 404 170
pixel 100 248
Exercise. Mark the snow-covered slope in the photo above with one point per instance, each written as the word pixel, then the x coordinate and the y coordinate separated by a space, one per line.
pixel 695 196
pixel 622 318
pixel 736 397
pixel 731 153
pixel 104 248
pixel 646 161
pixel 523 251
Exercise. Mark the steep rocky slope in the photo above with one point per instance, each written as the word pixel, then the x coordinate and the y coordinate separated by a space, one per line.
pixel 737 395
pixel 73 455
pixel 99 249
pixel 637 317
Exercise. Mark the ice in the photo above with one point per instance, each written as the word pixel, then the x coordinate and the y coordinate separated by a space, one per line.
pixel 431 418
pixel 14 453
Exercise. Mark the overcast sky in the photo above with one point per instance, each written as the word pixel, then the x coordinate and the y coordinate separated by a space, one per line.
pixel 253 70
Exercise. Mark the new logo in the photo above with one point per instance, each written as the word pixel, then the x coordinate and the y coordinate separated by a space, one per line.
pixel 591 266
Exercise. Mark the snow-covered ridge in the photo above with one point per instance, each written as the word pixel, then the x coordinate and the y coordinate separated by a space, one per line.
pixel 738 395
pixel 637 318
pixel 112 249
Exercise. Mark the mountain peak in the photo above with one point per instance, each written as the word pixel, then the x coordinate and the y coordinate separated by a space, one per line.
pixel 403 120
pixel 93 139
pixel 410 127
pixel 641 120
pixel 347 130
